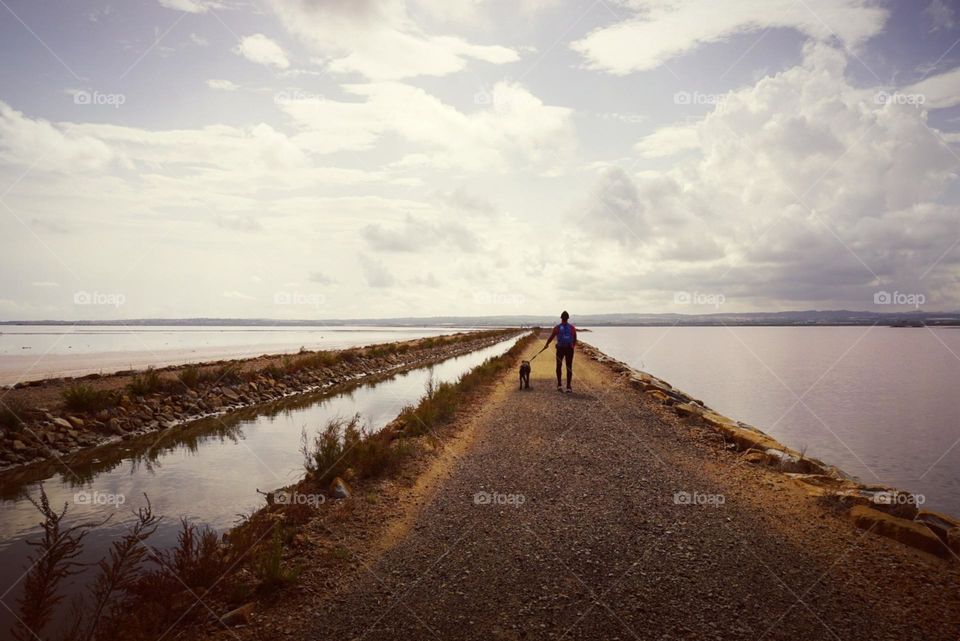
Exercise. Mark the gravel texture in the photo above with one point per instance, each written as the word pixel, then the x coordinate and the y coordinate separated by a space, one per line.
pixel 580 536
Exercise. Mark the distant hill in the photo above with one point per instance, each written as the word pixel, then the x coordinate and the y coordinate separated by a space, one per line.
pixel 811 317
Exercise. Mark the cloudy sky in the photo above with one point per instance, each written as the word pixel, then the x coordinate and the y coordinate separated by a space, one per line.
pixel 370 158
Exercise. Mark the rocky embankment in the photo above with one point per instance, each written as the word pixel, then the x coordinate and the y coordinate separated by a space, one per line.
pixel 883 510
pixel 40 424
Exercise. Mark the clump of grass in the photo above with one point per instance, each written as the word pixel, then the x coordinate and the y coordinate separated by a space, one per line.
pixel 440 403
pixel 81 397
pixel 147 382
pixel 197 559
pixel 227 373
pixel 267 565
pixel 14 413
pixel 53 561
pixel 345 444
pixel 190 377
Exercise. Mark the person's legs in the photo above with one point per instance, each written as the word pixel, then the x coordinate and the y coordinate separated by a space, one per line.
pixel 559 364
pixel 569 359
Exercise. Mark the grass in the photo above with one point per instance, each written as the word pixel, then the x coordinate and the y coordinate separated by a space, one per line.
pixel 441 402
pixel 345 444
pixel 81 397
pixel 146 383
pixel 14 413
pixel 268 567
pixel 190 377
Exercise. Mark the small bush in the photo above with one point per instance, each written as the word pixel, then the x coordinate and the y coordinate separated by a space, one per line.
pixel 267 564
pixel 146 383
pixel 190 377
pixel 229 373
pixel 80 397
pixel 14 413
pixel 197 559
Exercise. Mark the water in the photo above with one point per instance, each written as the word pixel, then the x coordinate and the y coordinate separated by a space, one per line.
pixel 880 403
pixel 31 352
pixel 208 472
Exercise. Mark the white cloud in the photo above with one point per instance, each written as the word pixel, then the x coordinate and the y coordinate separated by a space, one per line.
pixel 515 127
pixel 941 15
pixel 190 6
pixel 25 141
pixel 668 141
pixel 379 40
pixel 222 85
pixel 803 190
pixel 939 92
pixel 262 50
pixel 661 30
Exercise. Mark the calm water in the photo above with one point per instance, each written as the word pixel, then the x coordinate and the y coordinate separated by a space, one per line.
pixel 30 352
pixel 208 473
pixel 881 403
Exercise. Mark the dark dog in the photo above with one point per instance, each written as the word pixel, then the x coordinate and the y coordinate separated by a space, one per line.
pixel 524 374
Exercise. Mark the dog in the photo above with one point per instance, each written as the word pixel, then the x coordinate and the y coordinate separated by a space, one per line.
pixel 524 374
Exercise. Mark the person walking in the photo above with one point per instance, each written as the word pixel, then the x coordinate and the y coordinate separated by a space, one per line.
pixel 566 335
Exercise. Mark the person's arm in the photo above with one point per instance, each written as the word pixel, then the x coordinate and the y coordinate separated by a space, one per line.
pixel 574 334
pixel 552 334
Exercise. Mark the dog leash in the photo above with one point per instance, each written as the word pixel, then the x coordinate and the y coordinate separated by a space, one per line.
pixel 538 354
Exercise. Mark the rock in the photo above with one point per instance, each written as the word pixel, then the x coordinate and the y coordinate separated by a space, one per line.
pixel 241 616
pixel 339 489
pixel 939 524
pixel 658 394
pixel 688 409
pixel 911 533
pixel 229 393
pixel 115 426
pixel 953 540
pixel 76 422
pixel 19 446
pixel 62 422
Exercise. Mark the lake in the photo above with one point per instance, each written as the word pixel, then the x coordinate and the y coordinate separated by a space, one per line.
pixel 880 403
pixel 32 352
pixel 208 472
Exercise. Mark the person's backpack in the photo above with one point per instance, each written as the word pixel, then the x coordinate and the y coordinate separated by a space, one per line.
pixel 564 335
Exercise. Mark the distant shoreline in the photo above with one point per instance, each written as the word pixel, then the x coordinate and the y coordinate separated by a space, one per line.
pixel 809 318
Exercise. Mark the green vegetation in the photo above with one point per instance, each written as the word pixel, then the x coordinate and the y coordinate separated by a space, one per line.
pixel 146 383
pixel 441 402
pixel 81 397
pixel 345 444
pixel 190 377
pixel 268 566
pixel 13 413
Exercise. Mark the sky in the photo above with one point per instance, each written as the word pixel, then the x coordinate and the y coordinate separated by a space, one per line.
pixel 298 159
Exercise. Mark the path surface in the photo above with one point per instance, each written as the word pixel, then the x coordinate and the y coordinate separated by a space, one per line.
pixel 599 549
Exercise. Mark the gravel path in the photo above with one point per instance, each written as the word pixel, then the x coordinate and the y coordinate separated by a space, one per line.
pixel 582 539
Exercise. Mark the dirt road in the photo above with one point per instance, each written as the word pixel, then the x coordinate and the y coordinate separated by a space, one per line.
pixel 597 515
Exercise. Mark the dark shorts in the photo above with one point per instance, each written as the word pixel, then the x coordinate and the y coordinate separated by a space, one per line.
pixel 565 354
